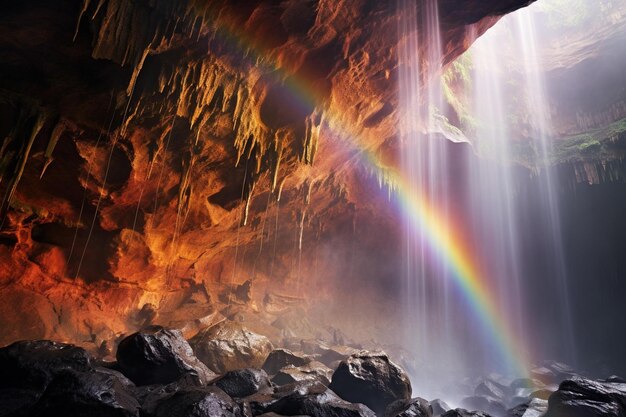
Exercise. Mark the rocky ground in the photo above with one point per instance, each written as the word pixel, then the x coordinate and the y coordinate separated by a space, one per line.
pixel 227 370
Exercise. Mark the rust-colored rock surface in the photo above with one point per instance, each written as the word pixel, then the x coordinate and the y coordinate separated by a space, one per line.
pixel 157 155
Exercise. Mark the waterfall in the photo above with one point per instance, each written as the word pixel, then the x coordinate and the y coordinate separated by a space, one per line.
pixel 492 206
pixel 432 327
pixel 473 320
pixel 538 108
pixel 501 88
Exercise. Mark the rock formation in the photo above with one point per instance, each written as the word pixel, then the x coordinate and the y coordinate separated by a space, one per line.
pixel 157 155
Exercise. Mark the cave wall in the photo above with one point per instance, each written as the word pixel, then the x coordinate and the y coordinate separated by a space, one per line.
pixel 159 154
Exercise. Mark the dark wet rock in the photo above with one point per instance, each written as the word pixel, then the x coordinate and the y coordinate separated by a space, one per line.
pixel 297 397
pixel 159 356
pixel 197 402
pixel 372 379
pixel 98 392
pixel 279 358
pixel 243 382
pixel 315 371
pixel 416 407
pixel 439 407
pixel 492 389
pixel 316 400
pixel 533 408
pixel 275 415
pixel 17 402
pixel 492 406
pixel 31 365
pixel 258 403
pixel 228 346
pixel 580 397
pixel 150 396
pixel 261 402
pixel 460 412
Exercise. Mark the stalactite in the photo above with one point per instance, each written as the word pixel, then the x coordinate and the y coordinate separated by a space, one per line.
pixel 313 126
pixel 197 87
pixel 280 189
pixel 83 9
pixel 57 132
pixel 17 146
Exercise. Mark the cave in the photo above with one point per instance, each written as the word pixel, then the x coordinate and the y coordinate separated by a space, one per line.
pixel 350 208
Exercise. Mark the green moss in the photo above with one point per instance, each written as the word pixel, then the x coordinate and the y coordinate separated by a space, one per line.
pixel 617 130
pixel 603 143
pixel 456 83
pixel 589 146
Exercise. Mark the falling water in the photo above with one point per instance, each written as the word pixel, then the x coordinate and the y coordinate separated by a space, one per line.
pixel 538 109
pixel 493 206
pixel 425 165
pixel 447 341
pixel 494 135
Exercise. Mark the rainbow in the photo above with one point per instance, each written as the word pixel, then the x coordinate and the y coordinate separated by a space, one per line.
pixel 445 238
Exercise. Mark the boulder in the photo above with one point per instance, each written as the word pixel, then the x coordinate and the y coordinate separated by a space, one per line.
pixel 372 379
pixel 532 408
pixel 416 407
pixel 197 402
pixel 492 406
pixel 98 392
pixel 316 400
pixel 492 389
pixel 157 355
pixel 439 407
pixel 150 396
pixel 279 358
pixel 315 371
pixel 459 412
pixel 580 397
pixel 260 402
pixel 31 365
pixel 228 346
pixel 243 382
